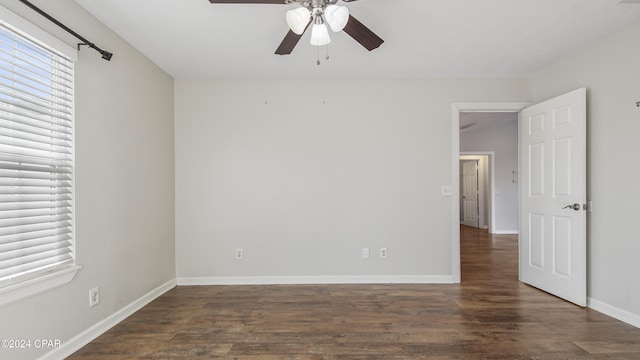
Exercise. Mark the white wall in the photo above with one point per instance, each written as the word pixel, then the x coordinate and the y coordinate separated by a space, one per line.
pixel 503 140
pixel 303 174
pixel 611 73
pixel 124 185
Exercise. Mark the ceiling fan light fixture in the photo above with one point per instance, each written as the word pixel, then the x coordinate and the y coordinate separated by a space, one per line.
pixel 298 19
pixel 320 35
pixel 337 17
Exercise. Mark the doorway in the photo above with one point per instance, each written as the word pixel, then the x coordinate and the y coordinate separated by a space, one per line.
pixel 485 165
pixel 495 133
pixel 551 150
pixel 457 109
pixel 470 191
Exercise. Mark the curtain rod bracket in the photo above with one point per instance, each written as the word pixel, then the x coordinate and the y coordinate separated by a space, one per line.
pixel 105 54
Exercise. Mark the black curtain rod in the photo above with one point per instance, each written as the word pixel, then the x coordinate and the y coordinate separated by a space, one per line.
pixel 105 54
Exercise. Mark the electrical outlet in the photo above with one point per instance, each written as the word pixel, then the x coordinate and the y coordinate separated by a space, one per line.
pixel 383 253
pixel 365 253
pixel 94 297
pixel 239 254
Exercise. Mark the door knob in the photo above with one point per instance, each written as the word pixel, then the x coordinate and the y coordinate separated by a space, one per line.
pixel 575 207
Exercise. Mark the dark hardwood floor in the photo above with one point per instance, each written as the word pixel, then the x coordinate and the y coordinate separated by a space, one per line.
pixel 489 316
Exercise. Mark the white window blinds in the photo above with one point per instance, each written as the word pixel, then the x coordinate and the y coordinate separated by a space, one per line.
pixel 36 158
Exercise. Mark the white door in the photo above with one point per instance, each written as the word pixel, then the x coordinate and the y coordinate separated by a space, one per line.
pixel 470 193
pixel 552 196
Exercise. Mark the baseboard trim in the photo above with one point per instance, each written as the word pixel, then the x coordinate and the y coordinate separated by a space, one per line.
pixel 314 280
pixel 77 342
pixel 615 312
pixel 506 232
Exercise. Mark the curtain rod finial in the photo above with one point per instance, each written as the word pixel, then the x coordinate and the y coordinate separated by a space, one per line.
pixel 107 55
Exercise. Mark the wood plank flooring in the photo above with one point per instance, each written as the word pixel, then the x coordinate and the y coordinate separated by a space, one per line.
pixel 489 316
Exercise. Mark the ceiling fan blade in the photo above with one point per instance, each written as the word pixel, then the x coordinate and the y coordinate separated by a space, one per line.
pixel 362 34
pixel 248 1
pixel 288 43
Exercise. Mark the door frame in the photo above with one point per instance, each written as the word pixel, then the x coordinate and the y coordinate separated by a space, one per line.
pixel 456 109
pixel 489 198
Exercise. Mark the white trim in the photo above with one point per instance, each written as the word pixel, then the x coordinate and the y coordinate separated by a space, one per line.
pixel 41 36
pixel 314 280
pixel 77 342
pixel 615 312
pixel 506 232
pixel 42 283
pixel 456 108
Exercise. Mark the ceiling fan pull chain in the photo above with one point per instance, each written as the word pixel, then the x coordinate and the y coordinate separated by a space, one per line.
pixel 326 57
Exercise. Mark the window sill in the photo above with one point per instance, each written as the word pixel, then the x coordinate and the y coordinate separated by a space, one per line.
pixel 21 290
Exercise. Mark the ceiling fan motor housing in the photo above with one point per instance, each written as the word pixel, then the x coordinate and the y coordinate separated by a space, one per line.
pixel 315 4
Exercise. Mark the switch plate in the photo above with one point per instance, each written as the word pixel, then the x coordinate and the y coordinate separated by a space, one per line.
pixel 447 190
pixel 365 253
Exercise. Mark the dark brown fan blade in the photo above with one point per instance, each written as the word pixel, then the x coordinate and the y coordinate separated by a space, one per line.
pixel 248 1
pixel 288 43
pixel 362 34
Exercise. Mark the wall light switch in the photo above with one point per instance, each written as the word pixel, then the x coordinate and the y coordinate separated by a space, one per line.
pixel 365 253
pixel 447 190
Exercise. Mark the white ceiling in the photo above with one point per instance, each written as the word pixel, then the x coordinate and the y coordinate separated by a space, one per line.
pixel 423 38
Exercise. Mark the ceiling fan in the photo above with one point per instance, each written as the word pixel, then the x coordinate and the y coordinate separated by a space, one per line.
pixel 321 13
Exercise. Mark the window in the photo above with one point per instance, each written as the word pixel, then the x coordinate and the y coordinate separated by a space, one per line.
pixel 36 158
